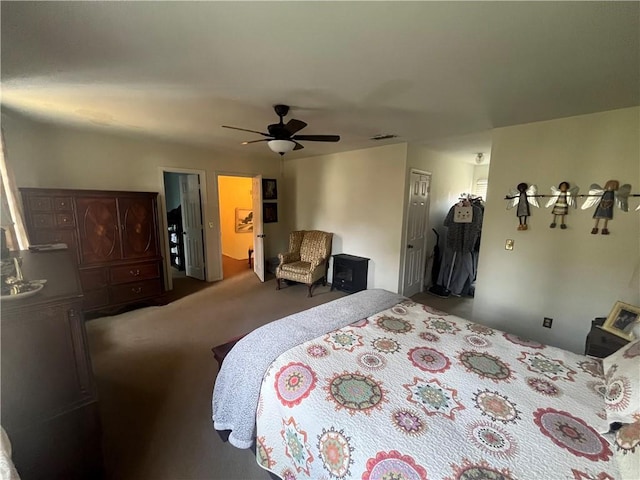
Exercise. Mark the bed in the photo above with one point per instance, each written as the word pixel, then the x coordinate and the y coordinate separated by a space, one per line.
pixel 375 386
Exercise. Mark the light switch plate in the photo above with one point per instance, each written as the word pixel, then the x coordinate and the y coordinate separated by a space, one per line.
pixel 508 245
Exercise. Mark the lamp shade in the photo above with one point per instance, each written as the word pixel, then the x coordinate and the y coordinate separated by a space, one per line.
pixel 281 146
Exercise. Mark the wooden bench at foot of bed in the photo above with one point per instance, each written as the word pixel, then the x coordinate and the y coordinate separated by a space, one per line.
pixel 221 351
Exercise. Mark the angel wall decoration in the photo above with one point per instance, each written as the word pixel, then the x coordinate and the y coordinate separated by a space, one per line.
pixel 562 198
pixel 522 197
pixel 606 197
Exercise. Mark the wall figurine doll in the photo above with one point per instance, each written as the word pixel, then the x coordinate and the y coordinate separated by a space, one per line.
pixel 522 197
pixel 605 198
pixel 562 198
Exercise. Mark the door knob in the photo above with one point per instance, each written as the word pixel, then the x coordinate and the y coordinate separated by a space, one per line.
pixel 409 246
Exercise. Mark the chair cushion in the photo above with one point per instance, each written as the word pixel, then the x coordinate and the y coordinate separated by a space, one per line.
pixel 298 268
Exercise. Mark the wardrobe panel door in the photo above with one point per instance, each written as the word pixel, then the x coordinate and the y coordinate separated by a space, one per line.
pixel 138 215
pixel 98 229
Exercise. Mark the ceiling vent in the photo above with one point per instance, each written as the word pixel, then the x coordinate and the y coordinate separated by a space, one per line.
pixel 383 137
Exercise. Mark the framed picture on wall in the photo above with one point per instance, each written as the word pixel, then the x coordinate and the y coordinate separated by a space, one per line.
pixel 244 220
pixel 622 319
pixel 269 189
pixel 269 212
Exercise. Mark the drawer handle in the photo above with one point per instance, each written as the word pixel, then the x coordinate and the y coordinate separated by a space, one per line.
pixel 136 289
pixel 65 219
pixel 135 272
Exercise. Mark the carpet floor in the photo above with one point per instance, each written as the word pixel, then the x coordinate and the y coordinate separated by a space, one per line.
pixel 155 373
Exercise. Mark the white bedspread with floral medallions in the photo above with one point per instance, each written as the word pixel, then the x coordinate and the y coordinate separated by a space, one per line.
pixel 413 393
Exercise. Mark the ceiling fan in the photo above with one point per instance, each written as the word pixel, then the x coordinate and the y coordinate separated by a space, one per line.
pixel 282 138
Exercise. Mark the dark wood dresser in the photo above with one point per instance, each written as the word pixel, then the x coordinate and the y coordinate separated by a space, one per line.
pixel 49 402
pixel 114 236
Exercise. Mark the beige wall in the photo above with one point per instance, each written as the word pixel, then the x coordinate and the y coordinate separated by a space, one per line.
pixel 480 172
pixel 44 155
pixel 568 275
pixel 234 192
pixel 358 196
pixel 449 178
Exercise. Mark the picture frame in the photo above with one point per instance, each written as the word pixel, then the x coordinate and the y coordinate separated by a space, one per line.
pixel 269 212
pixel 621 320
pixel 269 189
pixel 244 220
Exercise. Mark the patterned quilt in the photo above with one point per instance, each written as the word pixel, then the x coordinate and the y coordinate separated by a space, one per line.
pixel 414 393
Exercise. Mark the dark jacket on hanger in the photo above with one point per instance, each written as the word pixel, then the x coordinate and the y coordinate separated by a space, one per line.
pixel 461 237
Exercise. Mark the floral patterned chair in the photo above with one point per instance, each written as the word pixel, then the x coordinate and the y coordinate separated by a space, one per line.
pixel 307 260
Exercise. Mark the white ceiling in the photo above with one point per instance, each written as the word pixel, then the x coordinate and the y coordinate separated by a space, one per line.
pixel 441 73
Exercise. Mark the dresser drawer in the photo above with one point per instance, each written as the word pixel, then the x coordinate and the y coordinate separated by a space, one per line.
pixel 133 291
pixel 54 236
pixel 93 278
pixel 65 220
pixel 44 220
pixel 62 203
pixel 134 272
pixel 93 299
pixel 40 204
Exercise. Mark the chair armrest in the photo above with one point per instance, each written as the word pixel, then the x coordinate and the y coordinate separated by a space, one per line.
pixel 288 257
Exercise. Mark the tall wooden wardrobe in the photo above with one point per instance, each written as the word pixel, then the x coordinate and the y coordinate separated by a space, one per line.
pixel 114 236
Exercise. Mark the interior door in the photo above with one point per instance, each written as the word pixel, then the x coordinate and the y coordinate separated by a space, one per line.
pixel 417 226
pixel 192 225
pixel 258 227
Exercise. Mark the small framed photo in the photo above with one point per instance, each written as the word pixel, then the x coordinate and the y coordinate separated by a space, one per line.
pixel 244 220
pixel 269 189
pixel 622 319
pixel 269 212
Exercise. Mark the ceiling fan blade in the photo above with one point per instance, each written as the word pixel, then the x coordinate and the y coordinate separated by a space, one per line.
pixel 317 138
pixel 298 146
pixel 294 126
pixel 247 130
pixel 256 141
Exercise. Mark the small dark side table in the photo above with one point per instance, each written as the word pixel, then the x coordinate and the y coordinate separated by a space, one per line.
pixel 349 273
pixel 601 343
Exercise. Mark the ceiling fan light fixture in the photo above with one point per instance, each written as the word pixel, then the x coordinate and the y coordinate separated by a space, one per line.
pixel 281 146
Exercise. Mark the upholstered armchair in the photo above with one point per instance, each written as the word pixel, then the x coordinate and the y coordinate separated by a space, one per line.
pixel 307 260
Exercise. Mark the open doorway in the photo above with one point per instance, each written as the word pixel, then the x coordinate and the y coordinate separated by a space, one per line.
pixel 183 195
pixel 236 224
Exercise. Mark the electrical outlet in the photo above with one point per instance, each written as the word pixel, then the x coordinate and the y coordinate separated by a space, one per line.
pixel 547 322
pixel 508 245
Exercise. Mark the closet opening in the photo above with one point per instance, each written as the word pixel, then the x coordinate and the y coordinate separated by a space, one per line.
pixel 455 266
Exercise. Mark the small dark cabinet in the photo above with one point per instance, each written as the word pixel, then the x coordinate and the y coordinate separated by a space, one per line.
pixel 601 343
pixel 349 273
